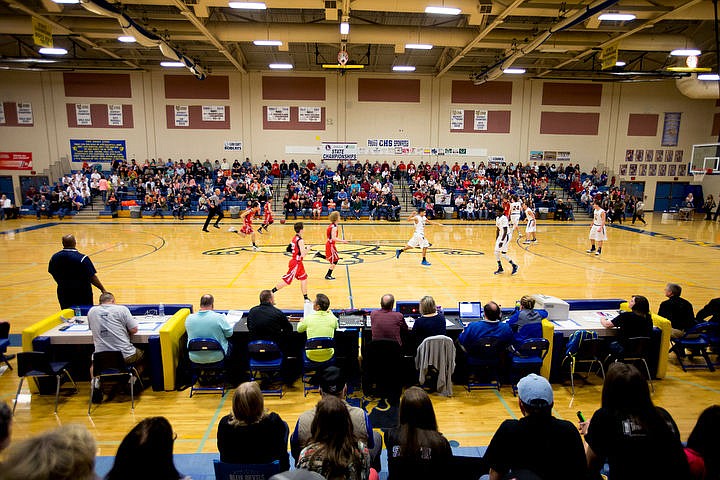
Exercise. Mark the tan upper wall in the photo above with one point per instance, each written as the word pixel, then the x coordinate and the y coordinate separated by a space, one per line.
pixel 425 123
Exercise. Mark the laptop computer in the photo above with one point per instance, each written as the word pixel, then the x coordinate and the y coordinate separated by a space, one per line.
pixel 469 311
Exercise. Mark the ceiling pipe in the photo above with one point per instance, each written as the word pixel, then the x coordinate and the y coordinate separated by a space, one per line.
pixel 496 70
pixel 66 31
pixel 187 13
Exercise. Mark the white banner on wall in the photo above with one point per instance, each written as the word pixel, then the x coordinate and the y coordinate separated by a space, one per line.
pixel 233 145
pixel 213 113
pixel 82 114
pixel 24 113
pixel 481 118
pixel 457 119
pixel 182 116
pixel 278 114
pixel 310 114
pixel 2 113
pixel 115 115
pixel 387 142
pixel 339 151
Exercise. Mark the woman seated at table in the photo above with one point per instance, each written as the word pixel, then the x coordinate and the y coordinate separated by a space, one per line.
pixel 430 323
pixel 635 323
pixel 250 434
pixel 526 322
pixel 415 448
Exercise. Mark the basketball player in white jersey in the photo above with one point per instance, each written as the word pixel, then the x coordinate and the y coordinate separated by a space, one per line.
pixel 597 229
pixel 502 241
pixel 515 208
pixel 418 239
pixel 530 226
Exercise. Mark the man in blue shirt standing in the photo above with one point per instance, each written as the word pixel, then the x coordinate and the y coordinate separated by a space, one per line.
pixel 208 324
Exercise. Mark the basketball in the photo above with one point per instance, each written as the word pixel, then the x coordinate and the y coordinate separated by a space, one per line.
pixel 282 221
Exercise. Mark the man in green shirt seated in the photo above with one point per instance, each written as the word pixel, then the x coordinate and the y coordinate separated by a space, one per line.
pixel 321 323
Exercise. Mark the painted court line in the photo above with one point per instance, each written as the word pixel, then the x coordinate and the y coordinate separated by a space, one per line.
pixel 505 404
pixel 347 270
pixel 212 424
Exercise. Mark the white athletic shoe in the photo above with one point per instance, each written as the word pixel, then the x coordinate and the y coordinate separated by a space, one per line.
pixel 255 248
pixel 232 230
pixel 597 253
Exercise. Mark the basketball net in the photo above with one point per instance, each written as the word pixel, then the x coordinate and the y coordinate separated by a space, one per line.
pixel 698 176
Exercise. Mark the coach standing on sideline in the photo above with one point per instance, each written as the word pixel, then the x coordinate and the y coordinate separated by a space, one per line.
pixel 75 274
pixel 214 208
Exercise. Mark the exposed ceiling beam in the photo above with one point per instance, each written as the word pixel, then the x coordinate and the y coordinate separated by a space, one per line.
pixel 484 33
pixel 648 24
pixel 51 6
pixel 187 13
pixel 66 31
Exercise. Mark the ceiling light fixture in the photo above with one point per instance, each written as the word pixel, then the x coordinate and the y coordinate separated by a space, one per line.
pixel 443 10
pixel 708 77
pixel 52 51
pixel 267 43
pixel 418 46
pixel 281 66
pixel 126 39
pixel 620 63
pixel 685 52
pixel 517 71
pixel 248 5
pixel 403 68
pixel 172 64
pixel 617 17
pixel 344 28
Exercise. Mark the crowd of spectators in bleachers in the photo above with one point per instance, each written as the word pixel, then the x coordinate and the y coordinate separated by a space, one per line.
pixel 355 189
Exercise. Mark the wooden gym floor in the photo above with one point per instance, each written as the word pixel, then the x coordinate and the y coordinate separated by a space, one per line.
pixel 146 261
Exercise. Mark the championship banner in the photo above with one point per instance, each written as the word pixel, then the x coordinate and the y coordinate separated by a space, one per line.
pixel 481 119
pixel 213 113
pixel 671 129
pixel 15 160
pixel 339 151
pixel 82 114
pixel 98 151
pixel 457 119
pixel 310 114
pixel 115 115
pixel 24 114
pixel 278 114
pixel 2 113
pixel 182 116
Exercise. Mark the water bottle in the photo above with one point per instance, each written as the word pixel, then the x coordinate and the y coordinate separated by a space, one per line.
pixel 78 314
pixel 161 310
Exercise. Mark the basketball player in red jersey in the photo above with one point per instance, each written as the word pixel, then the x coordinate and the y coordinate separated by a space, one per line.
pixel 296 269
pixel 331 253
pixel 247 217
pixel 268 219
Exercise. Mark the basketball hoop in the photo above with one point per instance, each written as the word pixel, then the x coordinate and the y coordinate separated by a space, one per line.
pixel 698 176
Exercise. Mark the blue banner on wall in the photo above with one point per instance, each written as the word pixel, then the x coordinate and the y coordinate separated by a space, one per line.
pixel 98 151
pixel 671 129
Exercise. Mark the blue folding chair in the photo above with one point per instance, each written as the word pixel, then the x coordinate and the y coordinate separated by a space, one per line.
pixel 266 359
pixel 527 357
pixel 635 349
pixel 696 340
pixel 233 471
pixel 484 356
pixel 5 343
pixel 202 371
pixel 112 364
pixel 310 367
pixel 38 364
